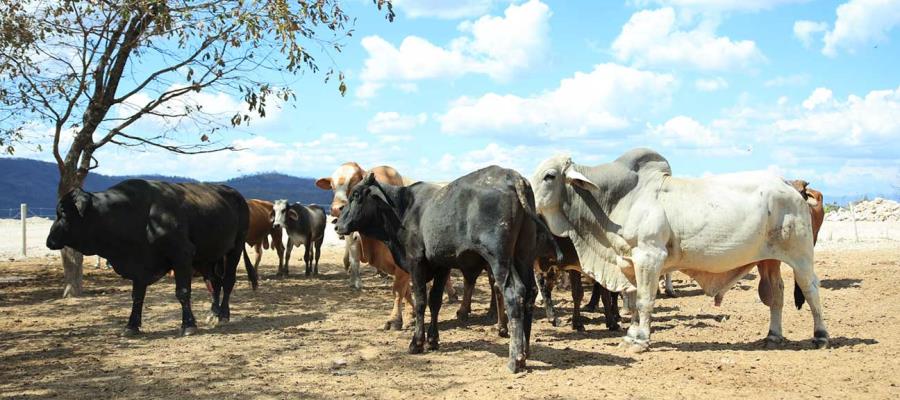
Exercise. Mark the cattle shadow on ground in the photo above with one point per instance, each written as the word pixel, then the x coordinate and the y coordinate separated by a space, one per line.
pixel 759 345
pixel 591 332
pixel 838 284
pixel 557 359
pixel 688 318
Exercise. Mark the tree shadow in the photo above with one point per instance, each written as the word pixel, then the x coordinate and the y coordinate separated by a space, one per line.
pixel 838 284
pixel 557 359
pixel 759 345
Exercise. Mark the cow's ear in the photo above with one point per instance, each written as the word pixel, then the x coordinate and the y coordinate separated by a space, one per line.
pixel 272 216
pixel 293 215
pixel 324 183
pixel 576 178
pixel 369 179
pixel 82 201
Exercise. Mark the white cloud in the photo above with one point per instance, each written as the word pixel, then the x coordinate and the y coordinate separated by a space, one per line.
pixel 711 84
pixel 818 97
pixel 658 38
pixel 804 30
pixel 499 47
pixel 873 120
pixel 443 9
pixel 860 23
pixel 604 99
pixel 392 122
pixel 720 5
pixel 684 130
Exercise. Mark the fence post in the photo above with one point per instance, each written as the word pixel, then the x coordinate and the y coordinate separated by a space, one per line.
pixel 24 214
pixel 853 217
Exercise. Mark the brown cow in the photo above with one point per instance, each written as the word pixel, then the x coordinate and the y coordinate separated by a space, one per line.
pixel 360 248
pixel 260 230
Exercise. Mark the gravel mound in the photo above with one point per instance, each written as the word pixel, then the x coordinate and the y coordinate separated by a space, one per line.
pixel 878 210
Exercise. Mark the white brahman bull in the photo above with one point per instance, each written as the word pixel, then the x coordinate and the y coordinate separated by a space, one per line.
pixel 631 222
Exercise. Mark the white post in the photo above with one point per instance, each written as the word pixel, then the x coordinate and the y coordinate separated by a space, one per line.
pixel 853 218
pixel 24 211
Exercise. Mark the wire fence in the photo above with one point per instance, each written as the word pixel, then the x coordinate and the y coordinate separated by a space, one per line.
pixel 16 213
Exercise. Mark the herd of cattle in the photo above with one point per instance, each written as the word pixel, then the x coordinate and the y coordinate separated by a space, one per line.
pixel 623 224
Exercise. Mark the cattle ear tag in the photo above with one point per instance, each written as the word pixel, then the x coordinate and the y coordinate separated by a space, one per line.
pixel 576 178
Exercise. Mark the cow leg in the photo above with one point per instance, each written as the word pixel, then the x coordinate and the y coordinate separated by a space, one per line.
pixel 283 272
pixel 771 293
pixel 452 295
pixel 214 286
pixel 232 261
pixel 259 252
pixel 610 307
pixel 514 299
pixel 417 345
pixel 545 285
pixel 183 294
pixel 648 259
pixel 346 257
pixel 353 247
pixel 465 306
pixel 307 258
pixel 138 292
pixel 577 297
pixel 808 282
pixel 400 289
pixel 410 317
pixel 498 306
pixel 670 290
pixel 318 253
pixel 434 305
pixel 592 304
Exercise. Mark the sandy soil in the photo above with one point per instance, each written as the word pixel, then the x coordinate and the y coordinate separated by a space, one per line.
pixel 291 338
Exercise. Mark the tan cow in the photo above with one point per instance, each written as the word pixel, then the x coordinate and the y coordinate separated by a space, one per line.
pixel 363 249
pixel 261 228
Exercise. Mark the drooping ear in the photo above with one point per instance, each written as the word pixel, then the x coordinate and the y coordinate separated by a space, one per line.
pixel 82 200
pixel 272 216
pixel 324 183
pixel 576 178
pixel 293 215
pixel 369 179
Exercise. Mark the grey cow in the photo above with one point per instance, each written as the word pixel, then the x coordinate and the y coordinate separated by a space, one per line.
pixel 304 225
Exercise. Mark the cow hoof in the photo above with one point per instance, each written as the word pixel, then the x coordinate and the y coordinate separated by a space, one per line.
pixel 516 365
pixel 821 342
pixel 613 327
pixel 503 332
pixel 393 325
pixel 634 346
pixel 452 299
pixel 187 331
pixel 131 332
pixel 224 320
pixel 556 322
pixel 578 327
pixel 462 316
pixel 433 345
pixel 416 348
pixel 590 308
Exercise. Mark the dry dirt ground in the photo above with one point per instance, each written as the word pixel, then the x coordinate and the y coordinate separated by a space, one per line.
pixel 284 340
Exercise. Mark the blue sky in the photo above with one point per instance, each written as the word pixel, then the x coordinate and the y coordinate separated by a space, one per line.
pixel 809 89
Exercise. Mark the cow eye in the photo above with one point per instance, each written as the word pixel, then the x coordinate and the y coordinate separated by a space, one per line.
pixel 549 176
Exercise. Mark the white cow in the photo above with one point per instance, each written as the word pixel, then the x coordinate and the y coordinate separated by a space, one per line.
pixel 631 222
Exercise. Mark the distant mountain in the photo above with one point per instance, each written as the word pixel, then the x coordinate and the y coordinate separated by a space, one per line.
pixel 34 182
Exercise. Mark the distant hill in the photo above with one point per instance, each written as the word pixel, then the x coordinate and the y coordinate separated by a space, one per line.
pixel 34 182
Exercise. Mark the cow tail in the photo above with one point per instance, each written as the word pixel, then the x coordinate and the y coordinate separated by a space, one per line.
pixel 545 238
pixel 252 275
pixel 798 296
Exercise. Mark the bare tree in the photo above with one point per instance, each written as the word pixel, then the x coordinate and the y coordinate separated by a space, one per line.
pixel 93 68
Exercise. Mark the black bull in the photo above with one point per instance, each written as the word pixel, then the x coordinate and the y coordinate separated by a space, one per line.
pixel 483 219
pixel 147 228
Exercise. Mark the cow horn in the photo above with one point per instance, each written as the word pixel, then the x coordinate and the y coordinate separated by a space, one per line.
pixel 576 178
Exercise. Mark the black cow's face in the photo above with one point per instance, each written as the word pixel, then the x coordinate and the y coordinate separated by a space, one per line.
pixel 70 224
pixel 361 214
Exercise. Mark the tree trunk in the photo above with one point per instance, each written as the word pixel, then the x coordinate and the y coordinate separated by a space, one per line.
pixel 72 260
